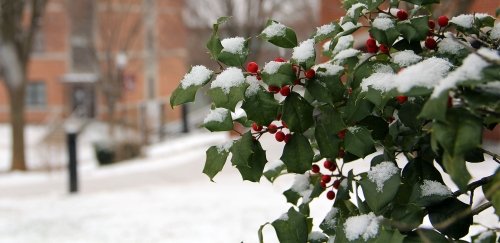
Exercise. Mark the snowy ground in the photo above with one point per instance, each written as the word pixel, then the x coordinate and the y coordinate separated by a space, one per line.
pixel 162 197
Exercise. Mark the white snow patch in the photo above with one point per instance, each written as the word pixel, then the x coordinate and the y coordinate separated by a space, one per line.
pixel 272 67
pixel 353 129
pixel 254 86
pixel 351 52
pixel 482 15
pixel 302 185
pixel 274 29
pixel 330 69
pixel 471 68
pixel 216 115
pixel 325 29
pixel 197 76
pixel 451 45
pixel 495 32
pixel 382 68
pixel 423 74
pixel 405 58
pixel 483 236
pixel 233 45
pixel 304 51
pixel 224 147
pixel 316 235
pixel 348 26
pixel 344 42
pixel 380 173
pixel 365 226
pixel 352 10
pixel 330 218
pixel 273 165
pixel 382 23
pixel 430 188
pixel 492 87
pixel 231 77
pixel 326 45
pixel 283 217
pixel 463 20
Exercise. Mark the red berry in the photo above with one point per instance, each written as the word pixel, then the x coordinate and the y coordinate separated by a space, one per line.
pixel 341 134
pixel 333 167
pixel 327 164
pixel 285 90
pixel 443 21
pixel 326 178
pixel 280 136
pixel 336 184
pixel 284 124
pixel 273 89
pixel 341 153
pixel 401 99
pixel 391 119
pixel 279 59
pixel 297 81
pixel 315 168
pixel 322 184
pixel 272 128
pixel 349 91
pixel 402 15
pixel 384 49
pixel 372 49
pixel 450 102
pixel 430 43
pixel 371 43
pixel 252 67
pixel 431 24
pixel 288 137
pixel 310 73
pixel 330 195
pixel 430 32
pixel 256 127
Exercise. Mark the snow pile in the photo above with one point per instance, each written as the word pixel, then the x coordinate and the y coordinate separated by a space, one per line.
pixel 352 10
pixel 216 115
pixel 380 173
pixel 382 23
pixel 329 69
pixel 325 29
pixel 330 219
pixel 316 235
pixel 451 45
pixel 272 67
pixel 495 32
pixel 254 86
pixel 353 129
pixel 348 26
pixel 274 29
pixel 405 58
pixel 326 45
pixel 224 147
pixel 196 76
pixel 231 77
pixel 423 74
pixel 431 188
pixel 233 45
pixel 304 51
pixel 463 20
pixel 303 187
pixel 351 52
pixel 344 42
pixel 470 70
pixel 365 226
pixel 382 68
pixel 273 165
pixel 283 217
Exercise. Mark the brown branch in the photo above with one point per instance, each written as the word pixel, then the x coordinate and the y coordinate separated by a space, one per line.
pixel 472 186
pixel 37 10
pixel 495 157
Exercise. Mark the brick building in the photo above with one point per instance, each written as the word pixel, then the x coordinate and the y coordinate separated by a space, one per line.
pixel 64 77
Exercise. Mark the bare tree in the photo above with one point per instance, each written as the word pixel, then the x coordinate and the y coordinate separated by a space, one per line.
pixel 16 42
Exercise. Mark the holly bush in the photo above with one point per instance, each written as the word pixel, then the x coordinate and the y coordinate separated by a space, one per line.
pixel 412 104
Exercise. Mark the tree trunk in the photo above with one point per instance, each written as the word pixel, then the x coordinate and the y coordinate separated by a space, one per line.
pixel 16 98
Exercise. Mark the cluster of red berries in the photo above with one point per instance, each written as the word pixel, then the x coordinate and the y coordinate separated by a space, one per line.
pixel 430 42
pixel 279 135
pixel 326 179
pixel 401 99
pixel 372 47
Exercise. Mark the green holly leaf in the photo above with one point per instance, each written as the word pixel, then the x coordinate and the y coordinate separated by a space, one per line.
pixel 298 154
pixel 485 237
pixel 279 35
pixel 492 192
pixel 291 227
pixel 213 123
pixel 415 29
pixel 377 200
pixel 386 37
pixel 388 235
pixel 327 139
pixel 228 100
pixel 234 59
pixel 261 108
pixel 435 108
pixel 283 76
pixel 214 45
pixel 359 142
pixel 297 113
pixel 187 93
pixel 409 217
pixel 255 167
pixel 327 31
pixel 319 91
pixel 425 235
pixel 449 209
pixel 216 158
pixel 272 173
pixel 242 150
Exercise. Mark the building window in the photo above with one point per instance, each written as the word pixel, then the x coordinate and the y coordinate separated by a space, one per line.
pixel 36 94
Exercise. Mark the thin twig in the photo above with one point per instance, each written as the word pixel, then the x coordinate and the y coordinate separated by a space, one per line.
pixel 472 186
pixel 495 156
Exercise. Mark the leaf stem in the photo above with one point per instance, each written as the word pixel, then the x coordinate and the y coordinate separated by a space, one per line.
pixel 472 186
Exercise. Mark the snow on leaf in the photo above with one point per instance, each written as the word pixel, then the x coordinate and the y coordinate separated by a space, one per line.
pixel 216 115
pixel 196 76
pixel 380 173
pixel 233 45
pixel 430 188
pixel 231 77
pixel 304 51
pixel 405 58
pixel 274 29
pixel 365 226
